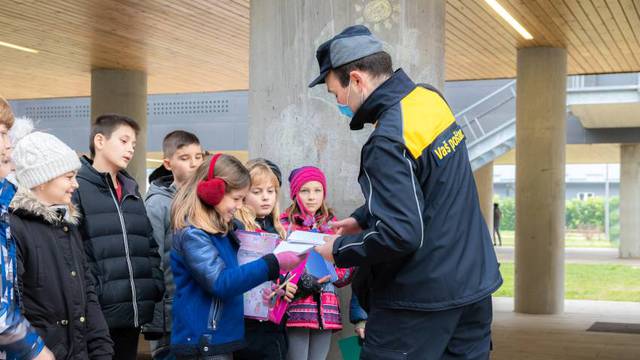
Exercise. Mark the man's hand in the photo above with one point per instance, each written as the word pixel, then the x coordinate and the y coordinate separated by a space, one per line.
pixel 348 226
pixel 326 249
pixel 360 326
pixel 45 354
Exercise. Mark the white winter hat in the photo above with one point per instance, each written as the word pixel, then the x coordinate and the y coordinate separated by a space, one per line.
pixel 40 157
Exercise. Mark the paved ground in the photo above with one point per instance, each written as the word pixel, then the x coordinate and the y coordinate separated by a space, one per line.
pixel 579 255
pixel 564 336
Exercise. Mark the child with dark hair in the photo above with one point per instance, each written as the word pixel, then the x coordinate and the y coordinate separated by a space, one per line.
pixel 182 157
pixel 118 236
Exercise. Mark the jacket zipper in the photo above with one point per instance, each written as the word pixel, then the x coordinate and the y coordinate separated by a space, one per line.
pixel 214 311
pixel 127 256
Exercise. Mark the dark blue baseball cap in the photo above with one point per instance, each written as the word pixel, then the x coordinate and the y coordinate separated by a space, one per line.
pixel 353 43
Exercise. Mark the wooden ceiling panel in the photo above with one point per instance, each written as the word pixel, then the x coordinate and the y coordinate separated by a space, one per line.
pixel 601 36
pixel 184 46
pixel 203 45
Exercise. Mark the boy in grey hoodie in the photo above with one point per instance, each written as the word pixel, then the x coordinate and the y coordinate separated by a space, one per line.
pixel 182 156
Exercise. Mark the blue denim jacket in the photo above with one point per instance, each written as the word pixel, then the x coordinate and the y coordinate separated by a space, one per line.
pixel 356 312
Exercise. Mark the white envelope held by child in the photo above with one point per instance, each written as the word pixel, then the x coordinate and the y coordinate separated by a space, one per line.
pixel 300 242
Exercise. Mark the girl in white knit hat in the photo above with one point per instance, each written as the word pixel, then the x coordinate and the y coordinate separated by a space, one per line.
pixel 58 294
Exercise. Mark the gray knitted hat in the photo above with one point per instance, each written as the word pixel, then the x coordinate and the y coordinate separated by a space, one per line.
pixel 40 157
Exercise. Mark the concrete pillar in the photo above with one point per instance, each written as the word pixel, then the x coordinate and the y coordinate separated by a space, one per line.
pixel 124 92
pixel 484 184
pixel 540 172
pixel 294 125
pixel 630 201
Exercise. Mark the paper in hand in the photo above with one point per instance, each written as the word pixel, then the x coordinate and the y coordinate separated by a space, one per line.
pixel 300 242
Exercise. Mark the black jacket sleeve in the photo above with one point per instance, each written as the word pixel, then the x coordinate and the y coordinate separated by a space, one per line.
pixel 94 270
pixel 22 255
pixel 361 215
pixel 394 201
pixel 99 344
pixel 155 262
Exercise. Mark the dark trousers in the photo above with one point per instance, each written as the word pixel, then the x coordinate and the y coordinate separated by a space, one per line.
pixel 125 343
pixel 265 340
pixel 463 333
pixel 496 231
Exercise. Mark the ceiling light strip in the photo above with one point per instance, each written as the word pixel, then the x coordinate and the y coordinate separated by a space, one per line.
pixel 508 18
pixel 17 47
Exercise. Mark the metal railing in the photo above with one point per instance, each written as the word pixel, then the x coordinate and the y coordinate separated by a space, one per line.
pixel 488 116
pixel 470 119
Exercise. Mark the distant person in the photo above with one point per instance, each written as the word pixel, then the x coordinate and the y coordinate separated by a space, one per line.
pixel 497 217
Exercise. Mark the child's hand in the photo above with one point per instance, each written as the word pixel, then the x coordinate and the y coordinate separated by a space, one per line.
pixel 290 291
pixel 360 326
pixel 268 294
pixel 45 354
pixel 288 260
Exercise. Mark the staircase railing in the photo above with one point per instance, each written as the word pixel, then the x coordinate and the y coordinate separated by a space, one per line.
pixel 488 120
pixel 470 119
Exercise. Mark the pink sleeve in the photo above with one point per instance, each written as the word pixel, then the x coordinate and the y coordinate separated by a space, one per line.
pixel 345 275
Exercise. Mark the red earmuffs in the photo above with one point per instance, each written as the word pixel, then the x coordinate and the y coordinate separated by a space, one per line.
pixel 212 190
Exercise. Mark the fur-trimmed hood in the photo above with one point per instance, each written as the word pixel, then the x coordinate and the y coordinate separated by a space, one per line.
pixel 26 204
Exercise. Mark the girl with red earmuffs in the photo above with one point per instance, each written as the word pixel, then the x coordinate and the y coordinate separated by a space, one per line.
pixel 208 308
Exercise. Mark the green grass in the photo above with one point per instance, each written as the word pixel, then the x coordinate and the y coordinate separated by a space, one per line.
pixel 572 240
pixel 588 282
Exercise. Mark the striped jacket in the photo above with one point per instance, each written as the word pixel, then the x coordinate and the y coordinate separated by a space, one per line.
pixel 424 236
pixel 319 311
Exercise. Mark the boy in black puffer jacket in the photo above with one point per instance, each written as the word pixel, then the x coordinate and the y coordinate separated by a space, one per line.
pixel 121 250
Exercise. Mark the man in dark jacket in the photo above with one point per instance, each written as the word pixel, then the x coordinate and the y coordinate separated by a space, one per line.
pixel 420 231
pixel 121 250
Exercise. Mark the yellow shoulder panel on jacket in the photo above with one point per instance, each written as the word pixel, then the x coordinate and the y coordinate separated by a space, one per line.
pixel 424 116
